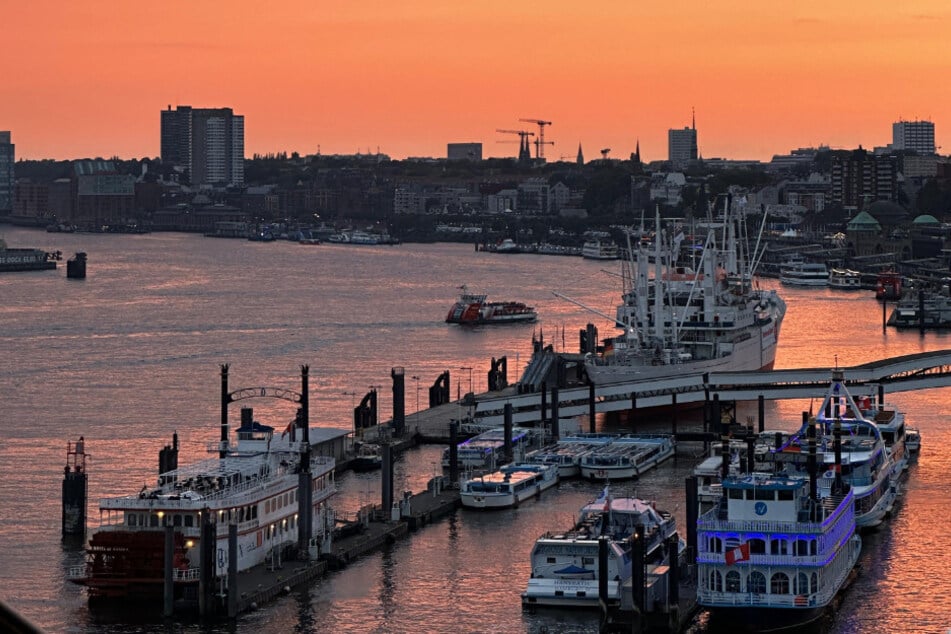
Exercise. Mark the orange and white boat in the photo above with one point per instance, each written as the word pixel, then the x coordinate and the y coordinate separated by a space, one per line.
pixel 474 309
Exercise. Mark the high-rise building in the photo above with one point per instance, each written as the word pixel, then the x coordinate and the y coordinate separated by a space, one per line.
pixel 913 135
pixel 7 160
pixel 682 146
pixel 209 142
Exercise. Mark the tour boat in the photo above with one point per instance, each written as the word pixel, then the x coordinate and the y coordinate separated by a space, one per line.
pixel 845 280
pixel 891 423
pixel 564 564
pixel 484 451
pixel 600 250
pixel 567 452
pixel 474 309
pixel 865 462
pixel 254 484
pixel 922 309
pixel 888 286
pixel 509 486
pixel 689 318
pixel 775 550
pixel 627 456
pixel 799 273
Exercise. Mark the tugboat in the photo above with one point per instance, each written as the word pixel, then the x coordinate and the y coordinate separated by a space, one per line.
pixel 473 309
pixel 76 266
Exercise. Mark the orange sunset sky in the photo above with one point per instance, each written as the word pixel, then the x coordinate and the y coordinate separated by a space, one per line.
pixel 408 76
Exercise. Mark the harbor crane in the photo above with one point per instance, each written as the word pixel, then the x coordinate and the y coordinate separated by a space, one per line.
pixel 540 142
pixel 524 153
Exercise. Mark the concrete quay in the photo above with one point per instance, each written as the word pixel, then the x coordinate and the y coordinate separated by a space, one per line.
pixel 265 583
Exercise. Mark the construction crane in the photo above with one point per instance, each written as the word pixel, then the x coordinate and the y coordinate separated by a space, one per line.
pixel 524 153
pixel 540 142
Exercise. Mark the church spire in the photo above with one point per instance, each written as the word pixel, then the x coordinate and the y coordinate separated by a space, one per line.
pixel 580 160
pixel 637 151
pixel 693 117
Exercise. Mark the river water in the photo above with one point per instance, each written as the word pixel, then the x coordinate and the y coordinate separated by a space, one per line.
pixel 131 354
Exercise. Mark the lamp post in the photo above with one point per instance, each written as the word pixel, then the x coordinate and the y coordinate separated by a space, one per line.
pixel 416 378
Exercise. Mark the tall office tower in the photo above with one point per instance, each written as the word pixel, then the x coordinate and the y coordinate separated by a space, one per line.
pixel 913 135
pixel 7 160
pixel 207 141
pixel 682 145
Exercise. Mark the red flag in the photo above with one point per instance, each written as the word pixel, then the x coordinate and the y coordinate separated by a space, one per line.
pixel 738 554
pixel 288 429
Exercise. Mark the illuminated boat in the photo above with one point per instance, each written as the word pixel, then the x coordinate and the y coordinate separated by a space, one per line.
pixel 775 550
pixel 253 484
pixel 509 486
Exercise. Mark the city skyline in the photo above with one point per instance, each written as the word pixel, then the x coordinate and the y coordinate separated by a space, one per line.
pixel 407 79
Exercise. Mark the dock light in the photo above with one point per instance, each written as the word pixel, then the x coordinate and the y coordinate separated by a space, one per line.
pixel 161 514
pixel 190 544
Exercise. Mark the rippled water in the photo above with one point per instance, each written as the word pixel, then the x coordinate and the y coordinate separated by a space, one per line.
pixel 131 354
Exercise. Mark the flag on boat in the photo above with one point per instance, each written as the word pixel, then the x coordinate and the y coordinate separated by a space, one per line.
pixel 288 429
pixel 738 554
pixel 605 498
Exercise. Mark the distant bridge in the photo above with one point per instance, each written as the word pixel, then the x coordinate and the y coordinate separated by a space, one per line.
pixel 895 374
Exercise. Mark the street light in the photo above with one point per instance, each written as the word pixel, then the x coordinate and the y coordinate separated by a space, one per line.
pixel 353 410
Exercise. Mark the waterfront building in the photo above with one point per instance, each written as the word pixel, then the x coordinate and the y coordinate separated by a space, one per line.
pixel 209 142
pixel 7 160
pixel 913 135
pixel 860 178
pixel 30 201
pixel 102 196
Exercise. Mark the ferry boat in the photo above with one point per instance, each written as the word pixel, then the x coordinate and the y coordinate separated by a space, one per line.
pixel 567 452
pixel 509 486
pixel 799 273
pixel 26 259
pixel 913 442
pixel 253 483
pixel 888 286
pixel 475 309
pixel 775 550
pixel 627 457
pixel 600 250
pixel 565 564
pixel 891 423
pixel 845 280
pixel 866 464
pixel 484 451
pixel 680 321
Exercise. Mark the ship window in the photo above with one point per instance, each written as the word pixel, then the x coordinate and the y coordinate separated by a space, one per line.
pixel 716 545
pixel 764 494
pixel 785 494
pixel 756 583
pixel 588 561
pixel 802 547
pixel 189 520
pixel 777 546
pixel 757 546
pixel 814 583
pixel 133 519
pixel 176 520
pixel 802 584
pixel 733 581
pixel 153 521
pixel 551 560
pixel 779 584
pixel 716 581
pixel 736 494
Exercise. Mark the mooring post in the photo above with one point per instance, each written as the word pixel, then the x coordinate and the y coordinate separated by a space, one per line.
pixel 225 399
pixel 75 489
pixel 169 585
pixel 399 400
pixel 232 569
pixel 761 410
pixel 387 480
pixel 592 407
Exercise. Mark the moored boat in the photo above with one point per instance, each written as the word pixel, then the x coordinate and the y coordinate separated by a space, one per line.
pixel 800 273
pixel 564 564
pixel 253 483
pixel 626 457
pixel 26 259
pixel 681 321
pixel 509 486
pixel 475 309
pixel 567 452
pixel 600 250
pixel 845 279
pixel 775 550
pixel 485 450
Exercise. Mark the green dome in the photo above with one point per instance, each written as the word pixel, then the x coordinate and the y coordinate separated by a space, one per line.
pixel 925 219
pixel 863 222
